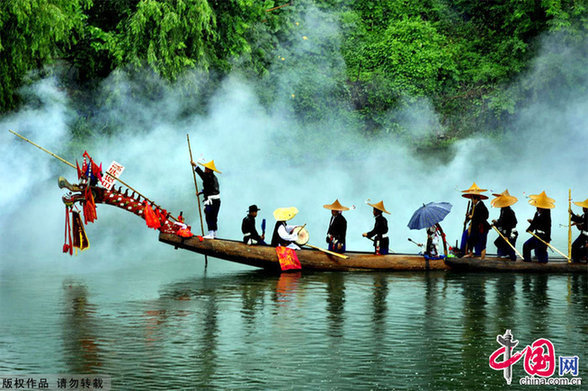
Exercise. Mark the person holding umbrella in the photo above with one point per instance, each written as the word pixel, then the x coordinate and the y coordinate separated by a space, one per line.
pixel 473 241
pixel 506 224
pixel 429 216
pixel 337 227
pixel 379 234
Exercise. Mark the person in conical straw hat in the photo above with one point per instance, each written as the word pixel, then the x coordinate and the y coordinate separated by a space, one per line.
pixel 379 234
pixel 580 245
pixel 473 239
pixel 541 226
pixel 284 234
pixel 211 192
pixel 337 227
pixel 506 224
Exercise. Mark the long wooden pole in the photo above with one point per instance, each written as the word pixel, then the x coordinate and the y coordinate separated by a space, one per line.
pixel 550 246
pixel 327 251
pixel 570 225
pixel 72 166
pixel 197 192
pixel 507 242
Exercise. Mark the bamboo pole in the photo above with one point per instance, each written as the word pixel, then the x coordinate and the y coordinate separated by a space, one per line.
pixel 197 192
pixel 570 225
pixel 507 242
pixel 327 251
pixel 550 246
pixel 72 166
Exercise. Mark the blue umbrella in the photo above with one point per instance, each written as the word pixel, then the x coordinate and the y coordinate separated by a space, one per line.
pixel 428 215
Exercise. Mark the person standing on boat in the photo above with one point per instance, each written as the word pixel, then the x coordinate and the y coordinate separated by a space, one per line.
pixel 211 195
pixel 250 235
pixel 379 234
pixel 541 226
pixel 506 224
pixel 337 227
pixel 284 234
pixel 474 238
pixel 580 245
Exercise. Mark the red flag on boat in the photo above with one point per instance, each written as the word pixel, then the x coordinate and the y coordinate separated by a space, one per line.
pixel 288 258
pixel 89 207
pixel 150 217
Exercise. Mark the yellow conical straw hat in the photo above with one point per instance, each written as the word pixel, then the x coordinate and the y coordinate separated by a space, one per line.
pixel 503 200
pixel 583 204
pixel 285 214
pixel 210 165
pixel 379 206
pixel 336 206
pixel 474 190
pixel 541 201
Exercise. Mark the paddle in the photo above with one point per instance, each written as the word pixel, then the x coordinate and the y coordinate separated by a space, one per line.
pixel 507 242
pixel 550 246
pixel 197 197
pixel 570 226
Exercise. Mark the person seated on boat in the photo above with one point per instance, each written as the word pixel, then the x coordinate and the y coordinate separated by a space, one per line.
pixel 211 195
pixel 506 225
pixel 541 226
pixel 473 241
pixel 580 245
pixel 337 227
pixel 379 234
pixel 250 235
pixel 284 234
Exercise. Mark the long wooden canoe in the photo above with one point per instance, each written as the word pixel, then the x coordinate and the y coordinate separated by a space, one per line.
pixel 555 265
pixel 265 256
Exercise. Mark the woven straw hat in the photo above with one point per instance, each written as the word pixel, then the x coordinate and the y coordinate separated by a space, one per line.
pixel 541 201
pixel 285 214
pixel 474 190
pixel 210 165
pixel 379 206
pixel 336 206
pixel 503 200
pixel 583 204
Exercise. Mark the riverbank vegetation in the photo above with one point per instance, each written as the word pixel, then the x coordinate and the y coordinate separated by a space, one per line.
pixel 366 61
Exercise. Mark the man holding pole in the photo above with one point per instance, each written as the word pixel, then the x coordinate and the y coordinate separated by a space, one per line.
pixel 580 245
pixel 506 225
pixel 540 228
pixel 211 193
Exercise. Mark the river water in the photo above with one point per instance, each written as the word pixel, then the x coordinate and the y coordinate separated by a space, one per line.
pixel 172 324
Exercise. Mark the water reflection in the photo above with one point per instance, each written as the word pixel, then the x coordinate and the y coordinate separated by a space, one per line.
pixel 335 285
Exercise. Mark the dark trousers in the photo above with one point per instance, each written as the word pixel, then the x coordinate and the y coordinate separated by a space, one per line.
pixel 337 250
pixel 579 248
pixel 539 247
pixel 383 245
pixel 475 241
pixel 502 248
pixel 211 212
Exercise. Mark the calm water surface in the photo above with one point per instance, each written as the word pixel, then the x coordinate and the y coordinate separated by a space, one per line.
pixel 172 325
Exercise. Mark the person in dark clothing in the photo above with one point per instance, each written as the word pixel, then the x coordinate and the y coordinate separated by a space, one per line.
pixel 506 224
pixel 211 195
pixel 541 226
pixel 250 235
pixel 379 234
pixel 473 240
pixel 337 227
pixel 580 245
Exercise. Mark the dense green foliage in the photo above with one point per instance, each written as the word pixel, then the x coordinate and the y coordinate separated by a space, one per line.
pixel 363 61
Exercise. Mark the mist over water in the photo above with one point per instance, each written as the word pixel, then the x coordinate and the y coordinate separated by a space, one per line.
pixel 269 158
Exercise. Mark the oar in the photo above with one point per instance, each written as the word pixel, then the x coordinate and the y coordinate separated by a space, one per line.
pixel 72 166
pixel 197 197
pixel 570 226
pixel 507 242
pixel 327 251
pixel 550 246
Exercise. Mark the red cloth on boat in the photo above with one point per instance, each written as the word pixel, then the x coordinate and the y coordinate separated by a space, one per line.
pixel 150 217
pixel 288 258
pixel 89 207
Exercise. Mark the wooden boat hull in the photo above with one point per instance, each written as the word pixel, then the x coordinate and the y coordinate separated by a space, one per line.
pixel 265 256
pixel 557 265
